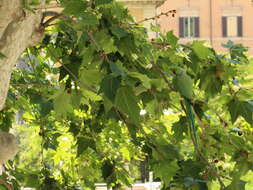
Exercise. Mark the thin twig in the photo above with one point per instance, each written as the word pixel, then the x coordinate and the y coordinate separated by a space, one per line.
pixel 160 44
pixel 158 16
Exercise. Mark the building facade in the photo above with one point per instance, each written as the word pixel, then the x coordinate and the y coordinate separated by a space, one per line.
pixel 215 21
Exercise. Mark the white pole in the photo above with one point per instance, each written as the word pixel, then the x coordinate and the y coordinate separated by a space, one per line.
pixel 150 180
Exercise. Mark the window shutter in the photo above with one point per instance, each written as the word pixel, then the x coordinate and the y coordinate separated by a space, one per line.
pixel 239 26
pixel 181 27
pixel 196 27
pixel 224 26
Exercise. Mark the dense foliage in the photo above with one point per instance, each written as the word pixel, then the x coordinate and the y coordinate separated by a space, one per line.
pixel 97 98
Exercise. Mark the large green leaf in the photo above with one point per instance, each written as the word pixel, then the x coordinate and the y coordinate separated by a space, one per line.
pixel 83 143
pixel 180 129
pixel 109 86
pixel 119 32
pixel 209 82
pixel 73 6
pixel 236 185
pixel 90 76
pixel 126 102
pixel 172 39
pixel 166 170
pixel 105 41
pixel 200 49
pixel 32 180
pixel 62 103
pixel 240 108
pixel 146 82
pixel 118 69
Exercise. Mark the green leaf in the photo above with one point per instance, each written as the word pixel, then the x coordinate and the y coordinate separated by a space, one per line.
pixel 118 69
pixel 240 108
pixel 165 170
pixel 87 20
pixel 246 112
pixel 236 185
pixel 91 95
pixel 32 180
pixel 46 107
pixel 76 98
pixel 74 7
pixel 102 2
pixel 201 50
pixel 193 62
pixel 107 104
pixel 62 103
pixel 87 55
pixel 146 82
pixel 105 41
pixel 172 39
pixel 119 32
pixel 180 129
pixel 71 67
pixel 126 102
pixel 209 82
pixel 234 109
pixel 109 86
pixel 83 143
pixel 90 76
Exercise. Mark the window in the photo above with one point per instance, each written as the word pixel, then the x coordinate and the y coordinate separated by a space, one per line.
pixel 232 26
pixel 189 27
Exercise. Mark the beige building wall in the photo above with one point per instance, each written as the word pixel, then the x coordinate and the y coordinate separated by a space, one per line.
pixel 210 14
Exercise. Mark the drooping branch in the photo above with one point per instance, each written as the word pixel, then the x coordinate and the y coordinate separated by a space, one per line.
pixel 167 13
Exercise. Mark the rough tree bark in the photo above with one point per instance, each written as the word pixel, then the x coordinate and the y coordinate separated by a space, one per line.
pixel 19 29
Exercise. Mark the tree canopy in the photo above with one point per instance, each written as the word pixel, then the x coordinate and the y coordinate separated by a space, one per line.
pixel 97 97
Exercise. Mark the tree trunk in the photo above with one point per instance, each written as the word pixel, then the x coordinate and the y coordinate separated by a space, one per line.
pixel 19 29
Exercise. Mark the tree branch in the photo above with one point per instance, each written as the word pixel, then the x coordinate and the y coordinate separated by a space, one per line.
pixel 54 15
pixel 172 12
